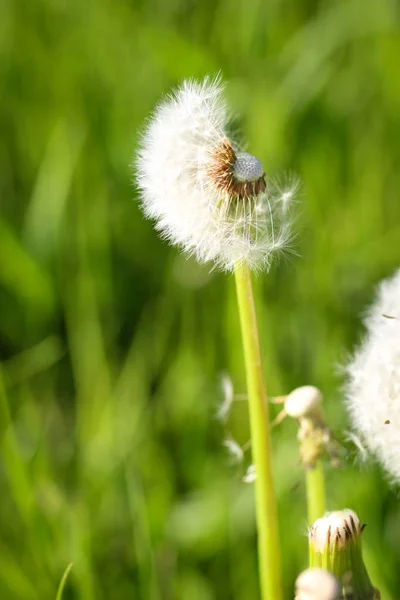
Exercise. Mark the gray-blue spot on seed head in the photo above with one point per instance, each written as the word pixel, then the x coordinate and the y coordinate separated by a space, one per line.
pixel 247 167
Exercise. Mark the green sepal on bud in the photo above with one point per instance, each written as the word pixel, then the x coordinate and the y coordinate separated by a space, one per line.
pixel 335 545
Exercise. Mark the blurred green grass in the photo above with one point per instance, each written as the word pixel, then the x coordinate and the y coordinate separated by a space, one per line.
pixel 112 345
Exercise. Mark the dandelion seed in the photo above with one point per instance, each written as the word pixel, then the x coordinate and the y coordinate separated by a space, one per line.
pixel 206 196
pixel 251 474
pixel 355 439
pixel 234 449
pixel 373 389
pixel 227 390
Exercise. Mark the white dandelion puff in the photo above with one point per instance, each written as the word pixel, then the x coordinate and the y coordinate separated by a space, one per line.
pixel 207 196
pixel 373 388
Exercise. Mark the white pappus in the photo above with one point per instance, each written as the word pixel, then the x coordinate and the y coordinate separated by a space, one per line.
pixel 206 196
pixel 373 388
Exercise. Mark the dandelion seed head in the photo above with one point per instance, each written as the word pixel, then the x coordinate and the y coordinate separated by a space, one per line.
pixel 247 167
pixel 205 195
pixel 373 379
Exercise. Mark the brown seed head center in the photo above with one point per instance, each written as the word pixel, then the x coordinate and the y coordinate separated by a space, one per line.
pixel 221 171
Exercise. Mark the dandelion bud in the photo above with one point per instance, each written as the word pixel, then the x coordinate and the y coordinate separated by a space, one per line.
pixel 206 196
pixel 305 405
pixel 373 390
pixel 303 401
pixel 335 544
pixel 335 528
pixel 317 584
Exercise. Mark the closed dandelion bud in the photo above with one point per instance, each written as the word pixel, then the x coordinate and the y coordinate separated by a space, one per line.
pixel 305 405
pixel 373 389
pixel 317 584
pixel 303 401
pixel 335 545
pixel 206 195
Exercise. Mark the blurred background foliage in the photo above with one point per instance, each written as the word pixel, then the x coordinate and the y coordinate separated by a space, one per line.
pixel 112 345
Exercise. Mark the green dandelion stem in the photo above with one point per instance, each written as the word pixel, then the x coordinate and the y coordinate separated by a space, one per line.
pixel 266 513
pixel 315 487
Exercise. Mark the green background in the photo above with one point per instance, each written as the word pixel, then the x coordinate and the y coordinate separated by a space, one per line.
pixel 112 345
